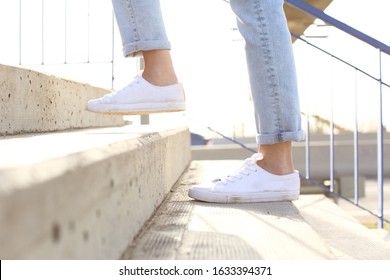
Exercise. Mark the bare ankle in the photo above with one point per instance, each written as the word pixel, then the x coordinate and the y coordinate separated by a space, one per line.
pixel 159 68
pixel 275 168
pixel 277 158
pixel 159 79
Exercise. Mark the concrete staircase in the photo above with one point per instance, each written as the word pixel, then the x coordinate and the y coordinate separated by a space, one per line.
pixel 110 191
pixel 312 228
pixel 81 193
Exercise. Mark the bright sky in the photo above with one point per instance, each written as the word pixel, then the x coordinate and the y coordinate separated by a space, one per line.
pixel 207 52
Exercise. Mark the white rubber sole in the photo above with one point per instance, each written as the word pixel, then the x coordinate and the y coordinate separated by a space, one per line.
pixel 215 197
pixel 137 109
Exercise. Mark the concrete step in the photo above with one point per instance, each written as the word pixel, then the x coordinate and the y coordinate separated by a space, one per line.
pixel 84 194
pixel 186 229
pixel 35 102
pixel 347 238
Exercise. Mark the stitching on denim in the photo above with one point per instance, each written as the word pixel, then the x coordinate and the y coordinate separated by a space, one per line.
pixel 133 21
pixel 268 58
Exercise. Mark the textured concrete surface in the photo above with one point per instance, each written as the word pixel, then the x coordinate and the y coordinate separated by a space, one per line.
pixel 369 201
pixel 187 229
pixel 35 102
pixel 313 227
pixel 84 194
pixel 344 235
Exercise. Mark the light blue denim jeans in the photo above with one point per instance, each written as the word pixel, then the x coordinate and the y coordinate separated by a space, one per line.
pixel 141 26
pixel 269 55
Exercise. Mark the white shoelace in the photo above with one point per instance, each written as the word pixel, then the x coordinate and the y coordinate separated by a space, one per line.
pixel 135 81
pixel 245 169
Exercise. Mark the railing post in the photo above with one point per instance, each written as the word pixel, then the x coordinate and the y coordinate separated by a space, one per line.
pixel 112 50
pixel 43 32
pixel 356 147
pixel 331 144
pixel 20 32
pixel 65 32
pixel 380 154
pixel 307 146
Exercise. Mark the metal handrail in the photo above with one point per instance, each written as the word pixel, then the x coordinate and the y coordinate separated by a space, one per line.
pixel 307 8
pixel 340 59
pixel 383 48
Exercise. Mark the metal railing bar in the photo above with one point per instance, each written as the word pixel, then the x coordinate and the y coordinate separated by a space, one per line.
pixel 301 5
pixel 307 141
pixel 356 147
pixel 331 140
pixel 65 31
pixel 88 31
pixel 380 148
pixel 43 31
pixel 112 49
pixel 340 59
pixel 20 32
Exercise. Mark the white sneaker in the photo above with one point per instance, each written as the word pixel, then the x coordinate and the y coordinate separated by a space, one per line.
pixel 140 97
pixel 250 183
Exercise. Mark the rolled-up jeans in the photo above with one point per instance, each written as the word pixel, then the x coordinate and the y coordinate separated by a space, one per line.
pixel 269 55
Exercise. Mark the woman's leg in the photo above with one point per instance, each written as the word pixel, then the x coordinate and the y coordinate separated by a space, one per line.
pixel 157 90
pixel 271 69
pixel 159 68
pixel 272 76
pixel 268 175
pixel 143 33
pixel 141 26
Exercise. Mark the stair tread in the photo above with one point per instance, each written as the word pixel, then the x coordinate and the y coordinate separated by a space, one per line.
pixel 345 235
pixel 48 154
pixel 85 194
pixel 31 148
pixel 186 229
pixel 311 228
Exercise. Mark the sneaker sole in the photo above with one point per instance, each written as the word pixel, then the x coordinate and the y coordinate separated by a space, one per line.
pixel 139 109
pixel 244 198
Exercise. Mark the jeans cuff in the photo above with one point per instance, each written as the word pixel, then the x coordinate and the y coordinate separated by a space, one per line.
pixel 294 136
pixel 135 49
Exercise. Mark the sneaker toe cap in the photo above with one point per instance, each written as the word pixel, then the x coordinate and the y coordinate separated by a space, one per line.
pixel 93 105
